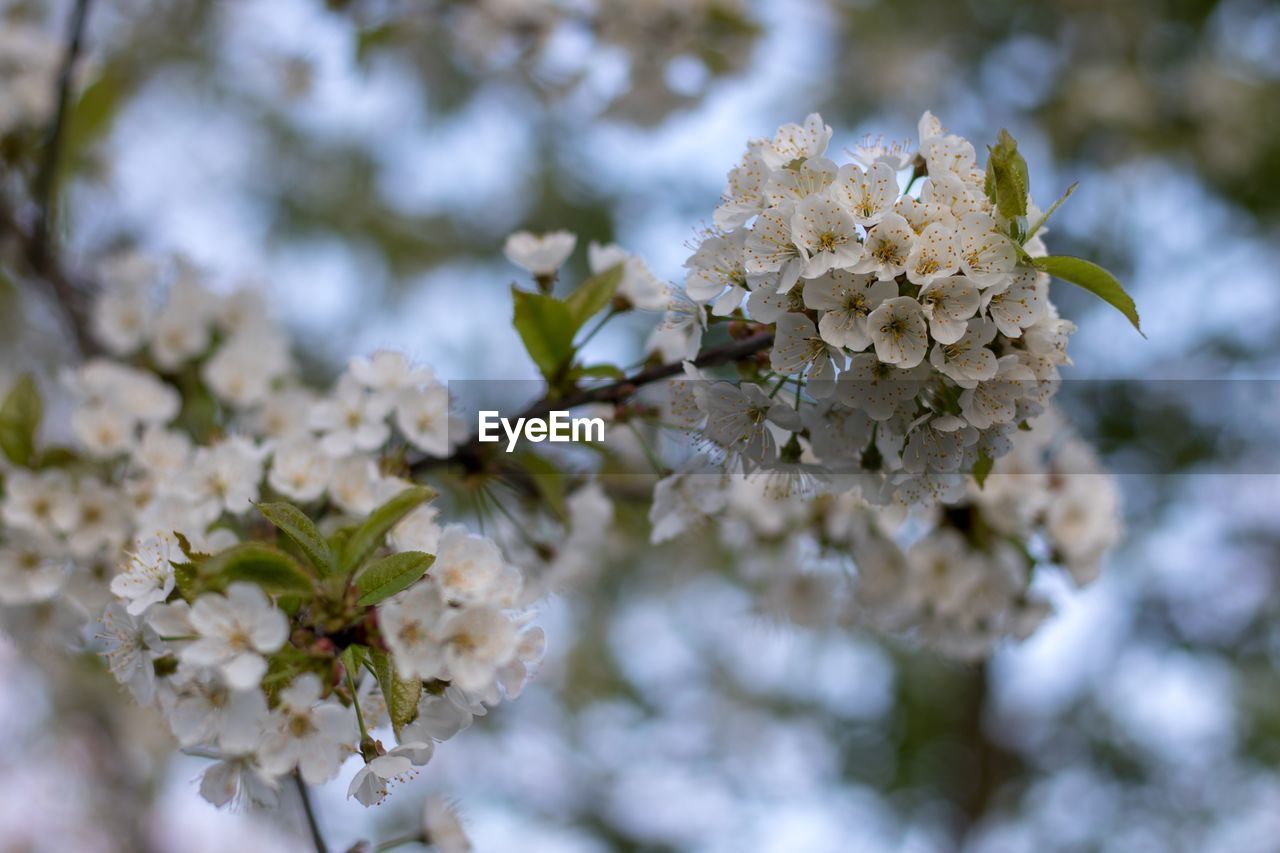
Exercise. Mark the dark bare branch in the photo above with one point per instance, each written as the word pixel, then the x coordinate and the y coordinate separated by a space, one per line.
pixel 44 188
pixel 468 454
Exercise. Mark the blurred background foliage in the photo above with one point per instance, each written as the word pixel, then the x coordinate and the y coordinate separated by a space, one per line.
pixel 361 161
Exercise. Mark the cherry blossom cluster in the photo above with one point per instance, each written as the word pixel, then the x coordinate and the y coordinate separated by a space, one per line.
pixel 907 314
pixel 268 576
pixel 958 578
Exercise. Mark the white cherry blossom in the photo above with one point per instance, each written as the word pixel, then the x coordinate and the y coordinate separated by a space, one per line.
pixel 898 331
pixel 797 142
pixel 234 631
pixel 351 418
pixel 388 371
pixel 304 731
pixel 948 303
pixel 539 254
pixel 888 246
pixel 639 286
pixel 743 197
pixel 799 349
pixel 149 578
pixel 986 256
pixel 845 300
pixel 933 255
pixel 300 470
pixel 770 248
pixel 826 236
pixel 422 416
pixel 968 361
pixel 410 625
pixel 867 194
pixel 1018 305
pixel 477 642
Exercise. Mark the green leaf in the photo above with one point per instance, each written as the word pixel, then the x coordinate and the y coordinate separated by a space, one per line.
pixel 270 568
pixel 1007 181
pixel 401 696
pixel 1094 279
pixel 982 468
pixel 184 578
pixel 371 39
pixel 20 415
pixel 353 657
pixel 597 371
pixel 547 327
pixel 57 457
pixel 368 537
pixel 295 524
pixel 383 578
pixel 593 295
pixel 94 112
pixel 1053 208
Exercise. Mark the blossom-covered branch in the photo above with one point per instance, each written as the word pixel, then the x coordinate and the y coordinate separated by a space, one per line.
pixel 276 576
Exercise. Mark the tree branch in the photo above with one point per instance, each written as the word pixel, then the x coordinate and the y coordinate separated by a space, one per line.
pixel 69 294
pixel 43 189
pixel 34 241
pixel 316 837
pixel 468 454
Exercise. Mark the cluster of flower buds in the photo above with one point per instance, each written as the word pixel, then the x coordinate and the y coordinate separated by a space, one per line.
pixel 268 576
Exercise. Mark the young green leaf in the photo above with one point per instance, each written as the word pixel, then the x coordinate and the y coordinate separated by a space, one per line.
pixel 597 371
pixel 383 578
pixel 547 327
pixel 56 457
pixel 354 657
pixel 593 295
pixel 1007 181
pixel 1094 279
pixel 95 111
pixel 982 468
pixel 367 538
pixel 270 568
pixel 401 696
pixel 20 415
pixel 185 579
pixel 295 524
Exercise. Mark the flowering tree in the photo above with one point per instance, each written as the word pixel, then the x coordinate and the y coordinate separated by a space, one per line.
pixel 851 390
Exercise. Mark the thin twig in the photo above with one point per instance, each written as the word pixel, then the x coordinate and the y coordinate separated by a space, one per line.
pixel 43 189
pixel 69 294
pixel 614 392
pixel 316 838
pixel 34 240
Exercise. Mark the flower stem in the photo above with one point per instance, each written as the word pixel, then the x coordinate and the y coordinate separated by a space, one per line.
pixel 609 315
pixel 44 188
pixel 316 838
pixel 654 461
pixel 613 392
pixel 355 703
pixel 773 392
